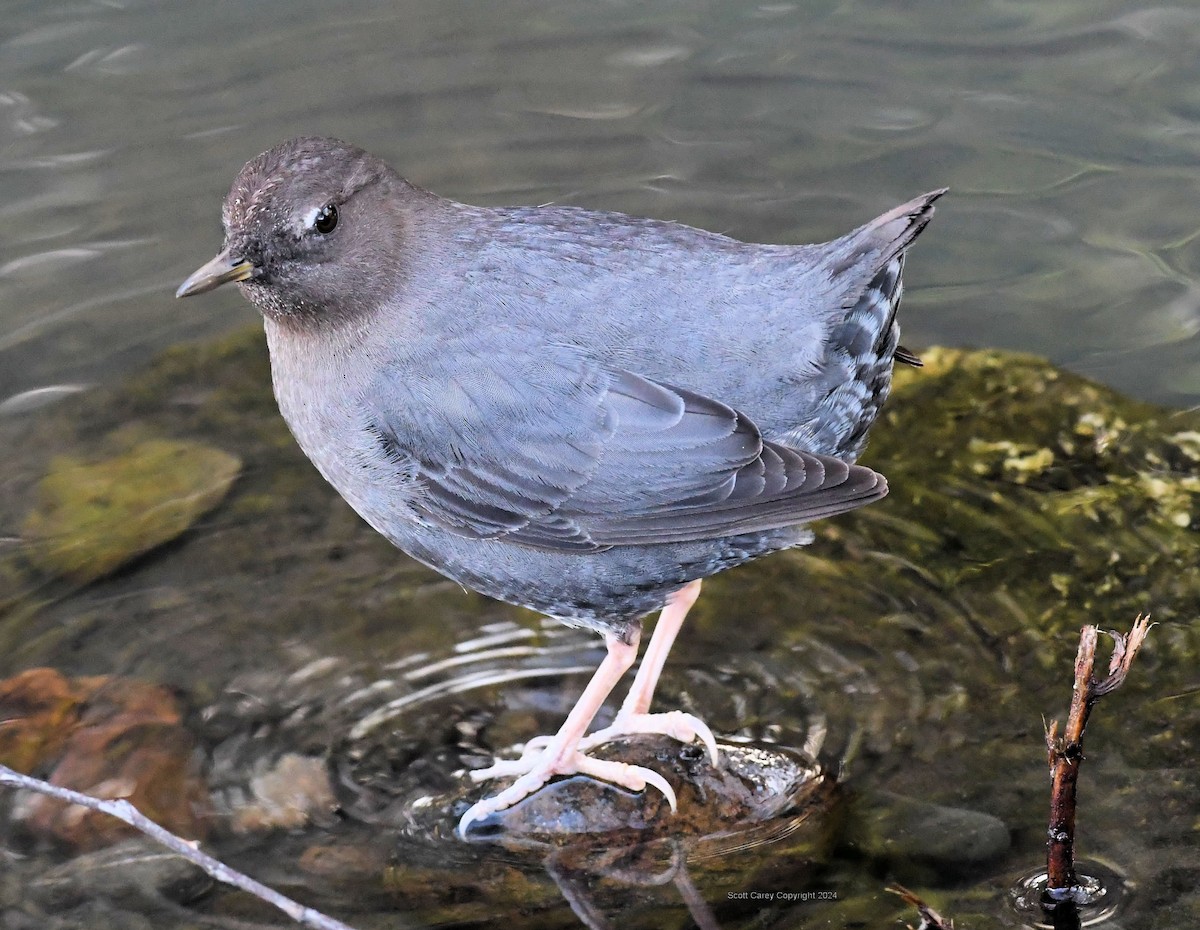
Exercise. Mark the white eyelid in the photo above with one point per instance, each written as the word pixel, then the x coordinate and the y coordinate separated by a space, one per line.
pixel 311 216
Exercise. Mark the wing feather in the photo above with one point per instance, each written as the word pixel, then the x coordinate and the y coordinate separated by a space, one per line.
pixel 610 458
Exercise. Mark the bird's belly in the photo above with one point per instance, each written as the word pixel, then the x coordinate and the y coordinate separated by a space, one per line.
pixel 607 590
pixel 604 590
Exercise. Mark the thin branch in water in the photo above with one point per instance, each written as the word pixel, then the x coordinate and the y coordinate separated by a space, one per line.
pixel 127 813
pixel 1065 750
pixel 930 919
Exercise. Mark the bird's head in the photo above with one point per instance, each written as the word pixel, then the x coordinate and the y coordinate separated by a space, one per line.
pixel 313 232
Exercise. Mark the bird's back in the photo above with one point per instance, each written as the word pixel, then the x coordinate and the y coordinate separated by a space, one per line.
pixel 799 338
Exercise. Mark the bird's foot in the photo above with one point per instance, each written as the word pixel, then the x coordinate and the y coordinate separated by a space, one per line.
pixel 676 724
pixel 537 766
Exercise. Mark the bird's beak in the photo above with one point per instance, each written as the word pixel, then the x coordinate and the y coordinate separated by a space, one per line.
pixel 221 270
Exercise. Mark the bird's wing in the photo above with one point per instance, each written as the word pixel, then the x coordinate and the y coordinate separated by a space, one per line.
pixel 562 453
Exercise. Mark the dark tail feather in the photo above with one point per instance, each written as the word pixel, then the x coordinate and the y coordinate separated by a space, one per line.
pixel 894 231
pixel 873 245
pixel 874 254
pixel 869 265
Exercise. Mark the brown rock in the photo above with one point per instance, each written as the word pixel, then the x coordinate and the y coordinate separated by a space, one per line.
pixel 106 737
pixel 38 710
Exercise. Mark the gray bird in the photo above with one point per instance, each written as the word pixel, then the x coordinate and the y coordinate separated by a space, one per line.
pixel 579 412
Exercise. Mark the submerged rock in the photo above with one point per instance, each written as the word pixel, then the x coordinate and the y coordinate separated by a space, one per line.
pixel 105 736
pixel 290 794
pixel 136 871
pixel 93 517
pixel 1108 487
pixel 900 830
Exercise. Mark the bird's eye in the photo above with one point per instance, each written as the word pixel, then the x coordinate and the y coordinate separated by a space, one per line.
pixel 326 220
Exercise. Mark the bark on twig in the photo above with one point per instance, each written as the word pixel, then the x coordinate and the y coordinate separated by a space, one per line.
pixel 127 813
pixel 1065 750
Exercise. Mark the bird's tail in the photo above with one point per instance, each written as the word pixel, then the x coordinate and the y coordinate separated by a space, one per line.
pixel 858 256
pixel 865 269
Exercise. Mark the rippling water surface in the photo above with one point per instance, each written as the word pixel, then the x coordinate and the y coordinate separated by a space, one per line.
pixel 1067 131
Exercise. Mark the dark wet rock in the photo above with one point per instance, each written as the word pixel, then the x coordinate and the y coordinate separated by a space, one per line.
pixel 136 872
pixel 902 830
pixel 92 517
pixel 752 784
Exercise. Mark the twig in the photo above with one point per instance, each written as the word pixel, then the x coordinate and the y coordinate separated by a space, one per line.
pixel 930 919
pixel 127 813
pixel 1065 752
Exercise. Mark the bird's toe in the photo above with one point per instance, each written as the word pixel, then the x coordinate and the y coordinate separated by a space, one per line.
pixel 675 724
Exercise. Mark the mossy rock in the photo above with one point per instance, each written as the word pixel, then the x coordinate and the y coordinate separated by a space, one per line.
pixel 93 517
pixel 1035 481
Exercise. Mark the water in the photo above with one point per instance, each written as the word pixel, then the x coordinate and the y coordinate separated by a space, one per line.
pixel 1068 133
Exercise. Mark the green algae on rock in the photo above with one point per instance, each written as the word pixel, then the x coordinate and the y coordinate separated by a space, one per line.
pixel 93 517
pixel 1074 501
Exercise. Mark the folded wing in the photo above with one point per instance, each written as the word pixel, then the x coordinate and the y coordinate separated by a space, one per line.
pixel 565 454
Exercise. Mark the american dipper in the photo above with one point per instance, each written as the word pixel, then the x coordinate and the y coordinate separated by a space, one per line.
pixel 579 412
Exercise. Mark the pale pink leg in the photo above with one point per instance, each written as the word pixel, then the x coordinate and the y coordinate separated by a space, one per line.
pixel 633 717
pixel 641 692
pixel 561 755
